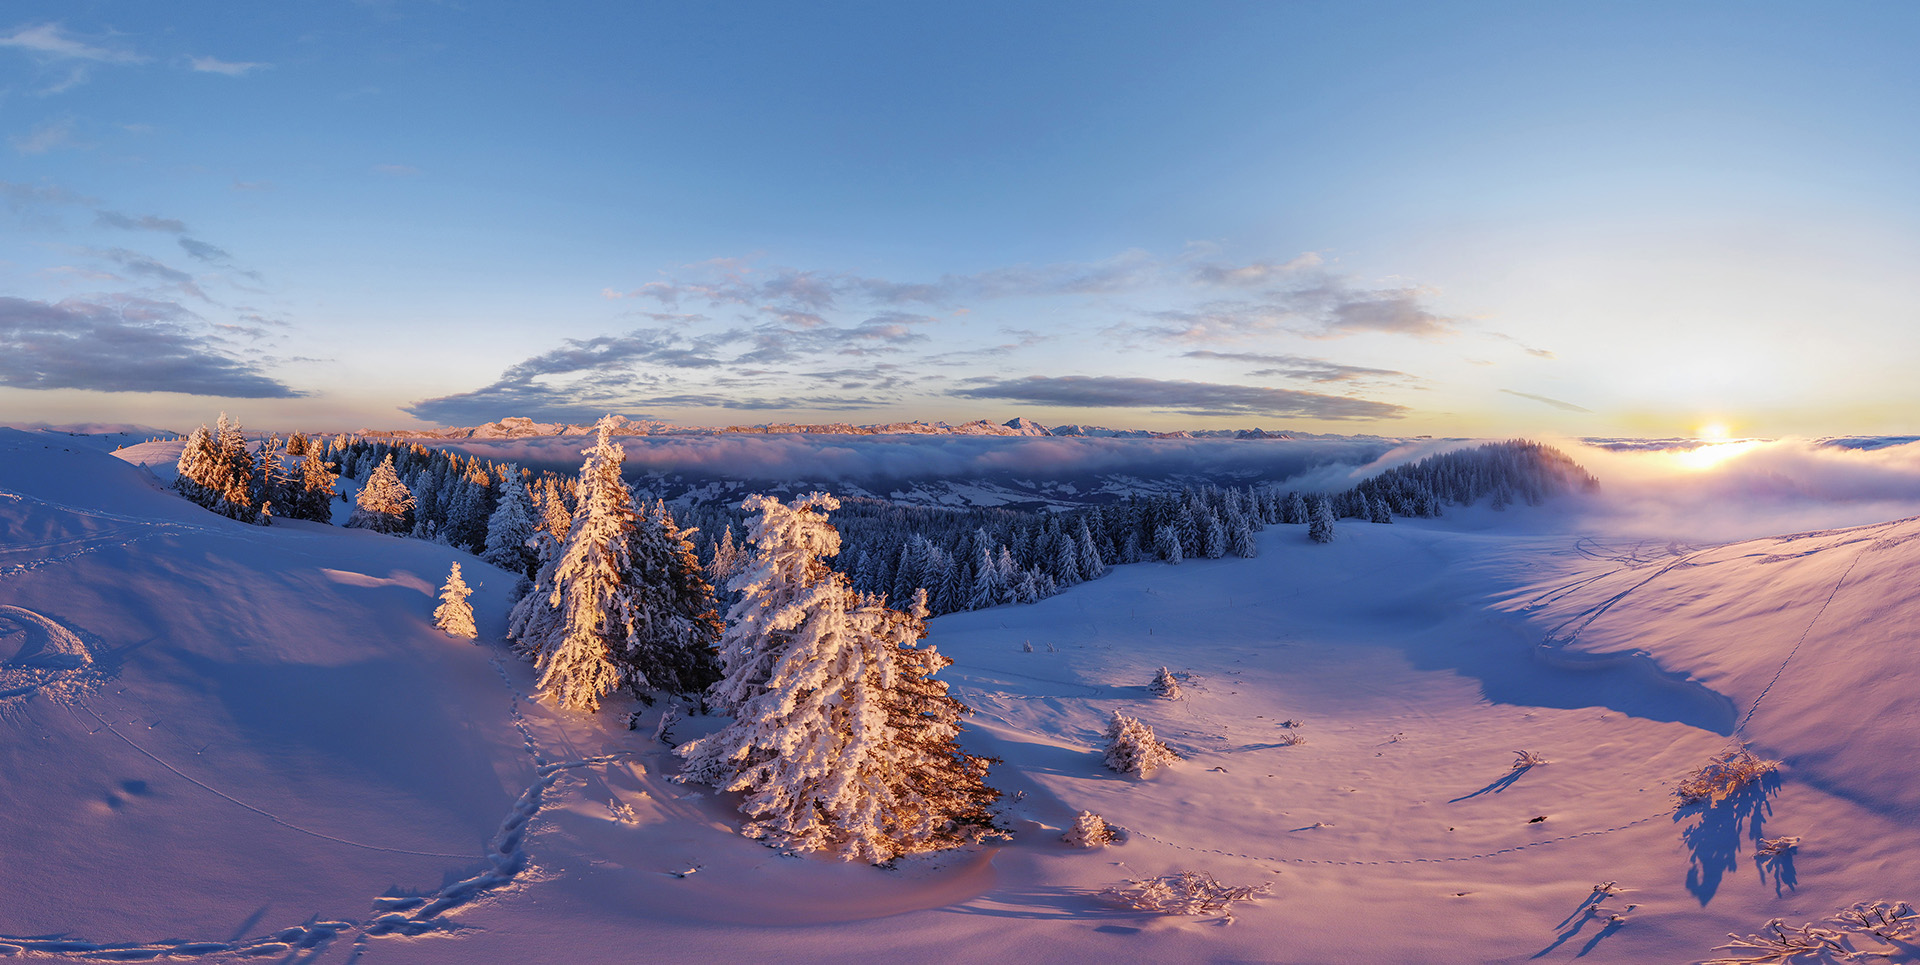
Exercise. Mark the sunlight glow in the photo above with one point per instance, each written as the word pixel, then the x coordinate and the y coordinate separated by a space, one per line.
pixel 1708 456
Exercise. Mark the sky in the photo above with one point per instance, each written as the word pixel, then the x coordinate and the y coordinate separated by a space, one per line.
pixel 1457 219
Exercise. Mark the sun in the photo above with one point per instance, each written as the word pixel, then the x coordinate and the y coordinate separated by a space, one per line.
pixel 1714 432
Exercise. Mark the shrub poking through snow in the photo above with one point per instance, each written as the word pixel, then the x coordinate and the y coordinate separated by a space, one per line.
pixel 1132 748
pixel 455 614
pixel 1893 925
pixel 1723 775
pixel 1164 685
pixel 1525 759
pixel 1089 830
pixel 1775 847
pixel 1186 893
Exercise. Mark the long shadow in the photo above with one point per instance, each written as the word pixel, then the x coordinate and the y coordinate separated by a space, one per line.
pixel 1716 838
pixel 1505 781
pixel 1777 870
pixel 1586 912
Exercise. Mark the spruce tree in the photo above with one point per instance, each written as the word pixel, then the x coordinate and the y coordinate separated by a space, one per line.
pixel 455 614
pixel 840 741
pixel 510 530
pixel 1320 520
pixel 384 504
pixel 315 498
pixel 674 625
pixel 578 616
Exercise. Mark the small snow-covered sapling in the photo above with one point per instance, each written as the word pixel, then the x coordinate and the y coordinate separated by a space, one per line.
pixel 1164 685
pixel 1089 830
pixel 1133 749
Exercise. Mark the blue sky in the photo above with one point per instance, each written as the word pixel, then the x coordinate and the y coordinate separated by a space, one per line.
pixel 1393 218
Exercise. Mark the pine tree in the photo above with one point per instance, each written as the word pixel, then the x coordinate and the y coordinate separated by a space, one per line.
pixel 579 615
pixel 384 505
pixel 510 530
pixel 726 558
pixel 840 741
pixel 1165 685
pixel 1320 520
pixel 1296 510
pixel 455 614
pixel 1166 543
pixel 1089 830
pixel 196 467
pixel 315 499
pixel 1133 749
pixel 675 626
pixel 1092 567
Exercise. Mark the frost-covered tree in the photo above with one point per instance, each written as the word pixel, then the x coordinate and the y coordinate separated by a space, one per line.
pixel 455 614
pixel 1320 520
pixel 579 616
pixel 1240 541
pixel 217 471
pixel 674 624
pixel 727 558
pixel 510 530
pixel 1165 685
pixel 1166 543
pixel 1295 511
pixel 1213 538
pixel 384 505
pixel 314 500
pixel 1132 748
pixel 1089 830
pixel 1092 567
pixel 1378 511
pixel 840 740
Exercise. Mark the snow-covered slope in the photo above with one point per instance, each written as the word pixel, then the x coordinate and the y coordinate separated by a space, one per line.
pixel 223 741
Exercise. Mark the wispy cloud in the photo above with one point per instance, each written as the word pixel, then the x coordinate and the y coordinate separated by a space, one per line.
pixel 115 219
pixel 142 266
pixel 231 68
pixel 120 344
pixel 1556 403
pixel 203 251
pixel 51 41
pixel 48 136
pixel 1180 396
pixel 1304 368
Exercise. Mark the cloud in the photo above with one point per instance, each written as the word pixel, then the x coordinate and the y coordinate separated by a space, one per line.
pixel 653 346
pixel 1750 489
pixel 882 462
pixel 1556 403
pixel 114 219
pixel 1187 398
pixel 135 263
pixel 203 251
pixel 49 136
pixel 231 68
pixel 1258 273
pixel 50 41
pixel 1327 307
pixel 121 344
pixel 1302 367
pixel 578 403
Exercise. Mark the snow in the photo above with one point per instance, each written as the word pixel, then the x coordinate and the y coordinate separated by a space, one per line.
pixel 279 754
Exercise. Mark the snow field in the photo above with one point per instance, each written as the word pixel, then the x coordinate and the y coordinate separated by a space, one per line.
pixel 283 757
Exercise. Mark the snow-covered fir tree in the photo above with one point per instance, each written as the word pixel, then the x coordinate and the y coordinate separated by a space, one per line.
pixel 217 471
pixel 314 499
pixel 1320 520
pixel 1166 543
pixel 1165 685
pixel 1133 749
pixel 841 741
pixel 620 601
pixel 384 505
pixel 674 624
pixel 1089 830
pixel 455 614
pixel 510 530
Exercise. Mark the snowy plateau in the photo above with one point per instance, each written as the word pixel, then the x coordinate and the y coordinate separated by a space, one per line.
pixel 1442 740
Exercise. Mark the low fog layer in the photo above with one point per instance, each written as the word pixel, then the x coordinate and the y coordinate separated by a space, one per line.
pixel 1738 490
pixel 1301 463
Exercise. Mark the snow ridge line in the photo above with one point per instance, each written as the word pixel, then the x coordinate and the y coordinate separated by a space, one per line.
pixel 269 816
pixel 1777 674
pixel 17 569
pixel 1356 861
pixel 308 937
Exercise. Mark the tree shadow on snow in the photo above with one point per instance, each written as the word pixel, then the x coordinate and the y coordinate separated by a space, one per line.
pixel 1777 870
pixel 1722 828
pixel 1587 912
pixel 1505 781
